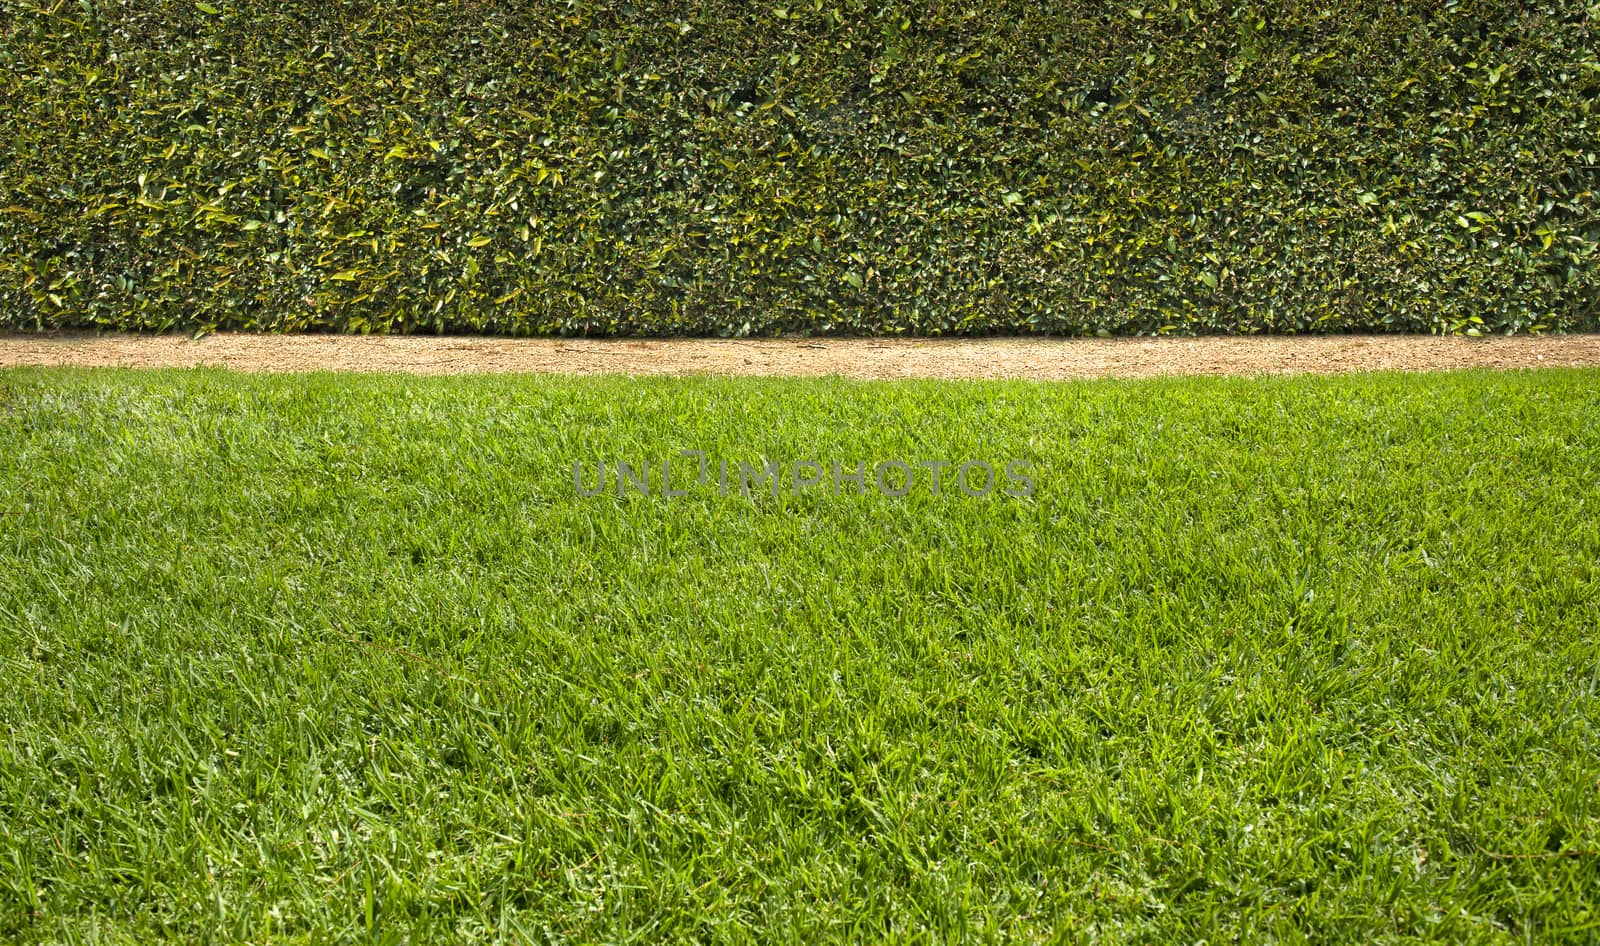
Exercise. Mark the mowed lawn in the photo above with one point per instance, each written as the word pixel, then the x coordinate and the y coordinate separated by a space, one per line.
pixel 325 658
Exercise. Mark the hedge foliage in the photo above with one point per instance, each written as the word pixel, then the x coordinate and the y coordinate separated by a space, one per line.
pixel 729 167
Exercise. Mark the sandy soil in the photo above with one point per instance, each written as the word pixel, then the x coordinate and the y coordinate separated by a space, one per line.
pixel 854 358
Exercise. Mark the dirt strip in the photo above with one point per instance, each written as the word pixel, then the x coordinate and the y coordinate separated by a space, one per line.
pixel 1039 358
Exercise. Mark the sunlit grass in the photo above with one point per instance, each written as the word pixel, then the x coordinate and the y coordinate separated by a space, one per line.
pixel 319 658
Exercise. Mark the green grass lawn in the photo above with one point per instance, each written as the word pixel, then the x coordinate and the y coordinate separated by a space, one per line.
pixel 316 658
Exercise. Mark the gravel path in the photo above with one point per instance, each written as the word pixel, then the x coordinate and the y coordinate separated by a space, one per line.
pixel 855 358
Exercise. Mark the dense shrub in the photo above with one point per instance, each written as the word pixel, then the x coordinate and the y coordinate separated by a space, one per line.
pixel 647 166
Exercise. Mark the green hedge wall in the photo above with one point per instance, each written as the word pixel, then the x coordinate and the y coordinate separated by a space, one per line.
pixel 652 167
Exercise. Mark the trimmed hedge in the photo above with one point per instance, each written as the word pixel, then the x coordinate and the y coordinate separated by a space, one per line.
pixel 653 167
